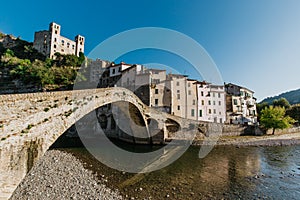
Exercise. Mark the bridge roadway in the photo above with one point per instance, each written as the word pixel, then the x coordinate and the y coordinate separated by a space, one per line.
pixel 30 123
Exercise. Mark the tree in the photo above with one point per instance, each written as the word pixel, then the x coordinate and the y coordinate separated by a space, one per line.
pixel 282 102
pixel 294 112
pixel 274 117
pixel 261 106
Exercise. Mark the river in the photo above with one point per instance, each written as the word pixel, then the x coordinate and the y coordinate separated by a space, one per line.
pixel 227 172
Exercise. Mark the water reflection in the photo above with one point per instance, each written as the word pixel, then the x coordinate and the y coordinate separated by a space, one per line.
pixel 227 172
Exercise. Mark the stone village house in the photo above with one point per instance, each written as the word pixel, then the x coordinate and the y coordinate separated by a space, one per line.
pixel 172 93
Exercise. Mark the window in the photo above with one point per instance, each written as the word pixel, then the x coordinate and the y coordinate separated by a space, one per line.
pixel 213 94
pixel 221 120
pixel 242 93
pixel 156 102
pixel 73 46
pixel 219 103
pixel 62 50
pixel 200 113
pixel 62 42
pixel 235 102
pixel 208 94
pixel 55 40
pixel 80 50
pixel 209 102
pixel 202 93
pixel 178 107
pixel 119 69
pixel 189 84
pixel 155 81
pixel 219 95
pixel 209 111
pixel 80 43
pixel 177 83
pixel 178 91
pixel 194 102
pixel 215 119
pixel 214 102
pixel 192 112
pixel 189 92
pixel 55 32
pixel 178 96
pixel 113 71
pixel 215 111
pixel 202 102
pixel 156 91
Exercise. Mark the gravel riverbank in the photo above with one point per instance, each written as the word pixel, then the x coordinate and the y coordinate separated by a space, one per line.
pixel 60 175
pixel 265 140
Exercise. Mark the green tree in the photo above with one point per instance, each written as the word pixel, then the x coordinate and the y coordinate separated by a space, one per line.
pixel 294 112
pixel 274 117
pixel 81 58
pixel 260 107
pixel 9 52
pixel 282 102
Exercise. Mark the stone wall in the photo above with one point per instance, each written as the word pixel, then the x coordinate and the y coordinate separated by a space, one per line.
pixel 284 131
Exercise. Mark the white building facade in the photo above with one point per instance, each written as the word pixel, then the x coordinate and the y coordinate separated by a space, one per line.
pixel 211 102
pixel 240 105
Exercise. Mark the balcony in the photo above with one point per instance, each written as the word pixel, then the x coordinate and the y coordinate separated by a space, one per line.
pixel 250 103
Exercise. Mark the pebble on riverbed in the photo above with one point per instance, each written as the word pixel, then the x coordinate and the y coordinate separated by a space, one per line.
pixel 59 175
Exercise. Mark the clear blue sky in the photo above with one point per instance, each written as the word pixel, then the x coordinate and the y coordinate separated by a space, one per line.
pixel 254 43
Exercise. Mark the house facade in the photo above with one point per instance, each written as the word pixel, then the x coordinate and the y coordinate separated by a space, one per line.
pixel 240 105
pixel 148 84
pixel 49 42
pixel 177 85
pixel 178 95
pixel 211 102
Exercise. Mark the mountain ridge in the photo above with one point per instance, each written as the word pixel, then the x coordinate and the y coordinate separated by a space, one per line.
pixel 292 96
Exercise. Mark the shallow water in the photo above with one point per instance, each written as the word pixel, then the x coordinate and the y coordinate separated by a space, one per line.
pixel 226 173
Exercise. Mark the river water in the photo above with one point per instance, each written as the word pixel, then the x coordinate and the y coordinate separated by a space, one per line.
pixel 227 172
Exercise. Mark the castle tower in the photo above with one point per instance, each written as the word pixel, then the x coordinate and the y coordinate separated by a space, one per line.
pixel 79 40
pixel 54 28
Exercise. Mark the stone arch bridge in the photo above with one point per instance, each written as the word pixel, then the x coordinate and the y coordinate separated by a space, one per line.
pixel 30 123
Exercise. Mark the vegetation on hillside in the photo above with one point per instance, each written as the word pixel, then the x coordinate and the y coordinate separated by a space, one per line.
pixel 294 112
pixel 22 66
pixel 293 97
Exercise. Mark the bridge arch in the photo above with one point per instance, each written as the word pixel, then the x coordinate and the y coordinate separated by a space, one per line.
pixel 33 122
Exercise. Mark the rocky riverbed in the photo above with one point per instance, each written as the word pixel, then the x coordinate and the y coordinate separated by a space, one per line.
pixel 60 175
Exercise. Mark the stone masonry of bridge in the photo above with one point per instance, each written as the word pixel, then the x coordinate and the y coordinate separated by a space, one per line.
pixel 31 123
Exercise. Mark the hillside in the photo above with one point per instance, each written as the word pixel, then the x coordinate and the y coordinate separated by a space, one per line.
pixel 292 96
pixel 24 69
